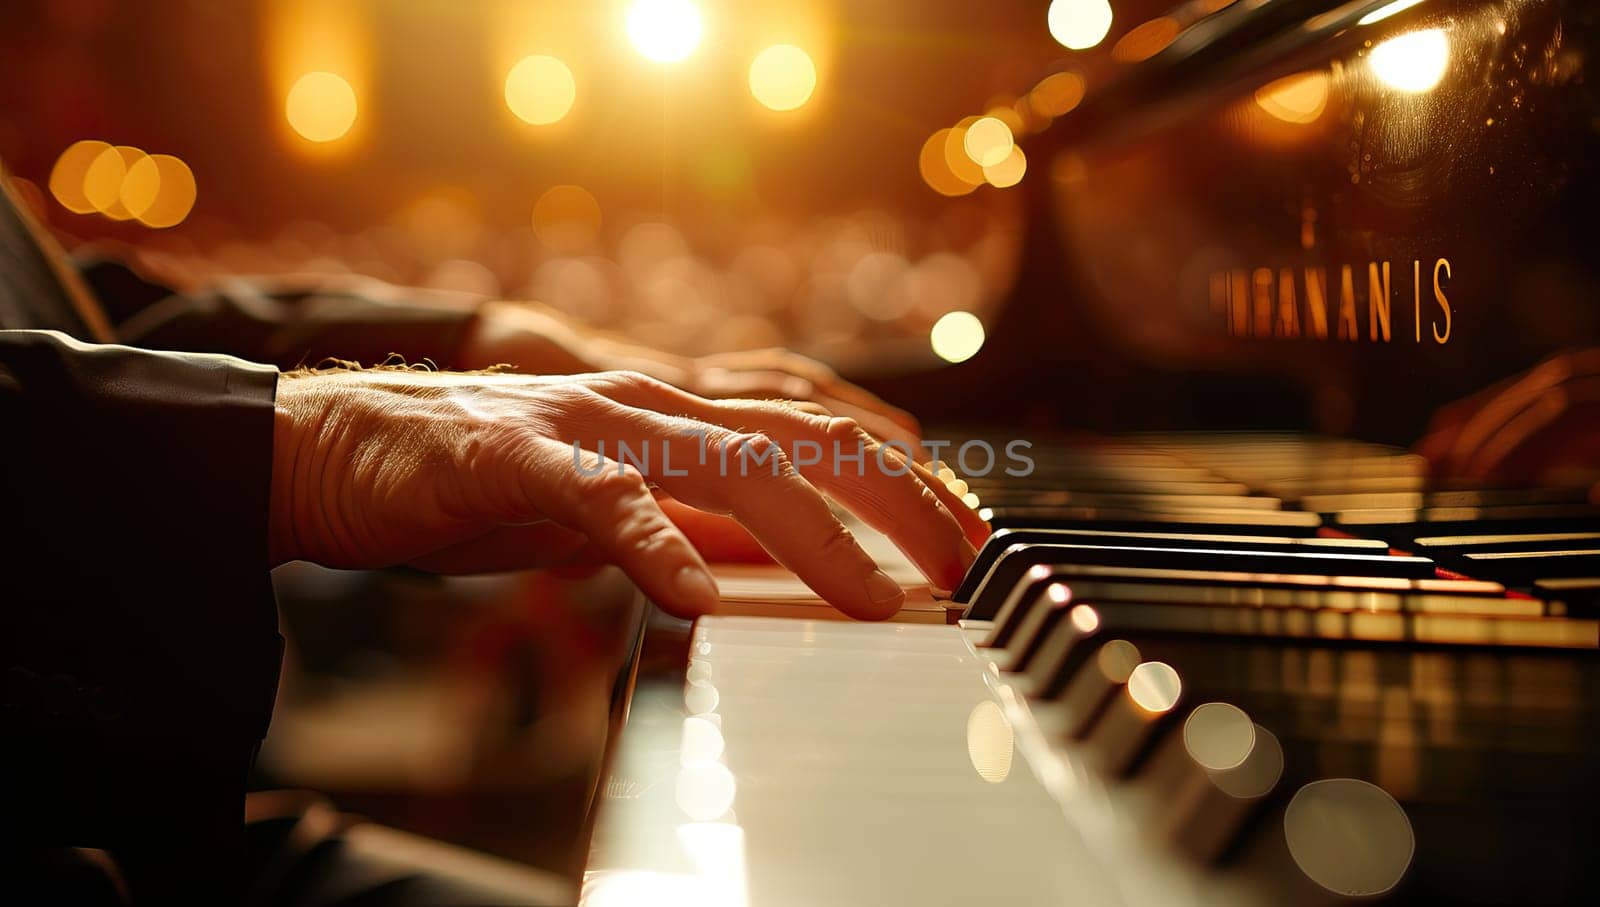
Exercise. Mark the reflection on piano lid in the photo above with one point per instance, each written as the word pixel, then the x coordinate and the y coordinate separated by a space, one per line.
pixel 1297 215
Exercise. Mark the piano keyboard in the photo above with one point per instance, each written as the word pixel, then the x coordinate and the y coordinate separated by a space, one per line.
pixel 1191 670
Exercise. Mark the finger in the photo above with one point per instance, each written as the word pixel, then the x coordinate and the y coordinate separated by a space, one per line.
pixel 977 531
pixel 874 483
pixel 719 539
pixel 611 505
pixel 748 477
pixel 826 380
pixel 503 548
pixel 768 384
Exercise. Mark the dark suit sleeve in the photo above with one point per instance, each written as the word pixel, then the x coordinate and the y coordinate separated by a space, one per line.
pixel 285 321
pixel 138 627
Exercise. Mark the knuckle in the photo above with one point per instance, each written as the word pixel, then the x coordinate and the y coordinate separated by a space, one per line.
pixel 846 430
pixel 839 545
pixel 613 484
pixel 760 450
pixel 633 380
pixel 647 533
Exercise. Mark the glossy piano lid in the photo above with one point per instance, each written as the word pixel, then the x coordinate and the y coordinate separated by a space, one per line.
pixel 810 763
pixel 1334 214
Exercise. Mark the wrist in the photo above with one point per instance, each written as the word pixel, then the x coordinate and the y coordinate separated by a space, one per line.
pixel 525 337
pixel 289 430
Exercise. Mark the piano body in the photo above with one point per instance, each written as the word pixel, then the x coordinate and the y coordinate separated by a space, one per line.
pixel 1198 665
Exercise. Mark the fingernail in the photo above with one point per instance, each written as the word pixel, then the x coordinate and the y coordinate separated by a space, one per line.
pixel 883 590
pixel 696 589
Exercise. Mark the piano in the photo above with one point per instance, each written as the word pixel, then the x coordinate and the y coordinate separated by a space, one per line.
pixel 1233 642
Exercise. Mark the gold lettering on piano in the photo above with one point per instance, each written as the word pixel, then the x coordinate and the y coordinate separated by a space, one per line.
pixel 1416 297
pixel 1349 328
pixel 1239 304
pixel 1377 302
pixel 1261 282
pixel 1438 296
pixel 1317 301
pixel 1288 315
pixel 1290 303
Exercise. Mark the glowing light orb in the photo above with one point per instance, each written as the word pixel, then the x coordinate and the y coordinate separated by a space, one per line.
pixel 1008 172
pixel 1079 24
pixel 664 30
pixel 67 176
pixel 988 141
pixel 1300 98
pixel 540 90
pixel 321 107
pixel 159 191
pixel 957 336
pixel 1413 62
pixel 782 77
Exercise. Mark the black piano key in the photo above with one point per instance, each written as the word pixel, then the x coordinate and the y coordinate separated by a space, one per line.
pixel 1517 567
pixel 1005 538
pixel 1264 522
pixel 1338 502
pixel 1400 525
pixel 1014 563
pixel 1464 597
pixel 1578 595
pixel 1145 500
pixel 1071 574
pixel 1499 541
pixel 1061 653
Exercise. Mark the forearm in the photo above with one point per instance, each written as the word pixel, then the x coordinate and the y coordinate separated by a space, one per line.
pixel 140 632
pixel 287 320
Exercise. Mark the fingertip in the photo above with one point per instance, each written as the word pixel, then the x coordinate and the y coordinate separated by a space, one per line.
pixel 884 597
pixel 694 591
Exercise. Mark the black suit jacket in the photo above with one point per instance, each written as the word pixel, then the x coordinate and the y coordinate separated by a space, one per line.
pixel 138 631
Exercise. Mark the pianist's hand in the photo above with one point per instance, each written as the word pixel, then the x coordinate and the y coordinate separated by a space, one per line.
pixel 467 473
pixel 1540 426
pixel 538 341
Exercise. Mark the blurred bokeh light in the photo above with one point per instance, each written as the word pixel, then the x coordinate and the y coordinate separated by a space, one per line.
pixel 664 30
pixel 782 77
pixel 1413 62
pixel 321 107
pixel 1079 24
pixel 957 336
pixel 540 90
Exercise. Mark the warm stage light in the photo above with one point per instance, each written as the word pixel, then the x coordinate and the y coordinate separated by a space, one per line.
pixel 1008 172
pixel 1056 94
pixel 540 90
pixel 321 107
pixel 159 190
pixel 957 336
pixel 1079 24
pixel 664 30
pixel 102 183
pixel 935 168
pixel 1300 98
pixel 67 178
pixel 782 77
pixel 1413 62
pixel 988 141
